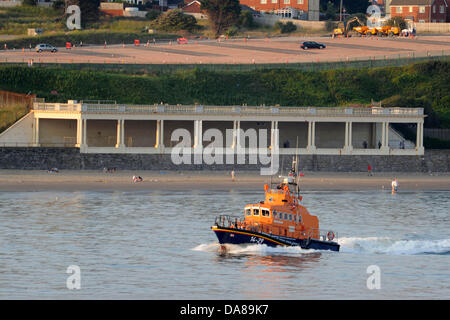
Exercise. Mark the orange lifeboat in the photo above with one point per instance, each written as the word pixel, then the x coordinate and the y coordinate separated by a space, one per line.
pixel 279 220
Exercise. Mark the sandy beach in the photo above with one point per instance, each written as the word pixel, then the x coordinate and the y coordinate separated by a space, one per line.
pixel 95 180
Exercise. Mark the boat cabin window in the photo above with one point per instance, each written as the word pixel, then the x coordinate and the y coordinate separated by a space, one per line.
pixel 248 212
pixel 265 213
pixel 256 212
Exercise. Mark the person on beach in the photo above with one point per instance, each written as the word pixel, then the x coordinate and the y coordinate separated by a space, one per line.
pixel 137 179
pixel 232 175
pixel 369 170
pixel 394 185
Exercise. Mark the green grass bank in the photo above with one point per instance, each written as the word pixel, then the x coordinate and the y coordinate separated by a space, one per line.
pixel 423 84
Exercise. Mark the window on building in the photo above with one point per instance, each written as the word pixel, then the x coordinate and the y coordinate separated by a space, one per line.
pixel 287 1
pixel 434 9
pixel 441 9
pixel 263 1
pixel 274 1
pixel 421 21
pixel 421 9
pixel 299 1
pixel 410 9
pixel 399 10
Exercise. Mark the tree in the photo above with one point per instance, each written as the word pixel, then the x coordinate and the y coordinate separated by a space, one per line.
pixel 174 20
pixel 285 28
pixel 246 19
pixel 90 11
pixel 152 14
pixel 397 22
pixel 330 13
pixel 29 2
pixel 222 14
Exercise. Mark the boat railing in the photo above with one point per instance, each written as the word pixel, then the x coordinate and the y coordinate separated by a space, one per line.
pixel 227 221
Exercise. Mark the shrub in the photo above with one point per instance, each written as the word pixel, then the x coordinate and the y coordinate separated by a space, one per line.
pixel 246 20
pixel 175 20
pixel 287 27
pixel 10 114
pixel 152 14
pixel 397 22
pixel 29 2
pixel 232 31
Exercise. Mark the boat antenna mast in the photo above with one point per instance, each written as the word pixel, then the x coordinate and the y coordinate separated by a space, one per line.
pixel 296 170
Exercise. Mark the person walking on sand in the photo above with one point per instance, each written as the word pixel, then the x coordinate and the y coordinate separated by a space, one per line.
pixel 394 185
pixel 232 175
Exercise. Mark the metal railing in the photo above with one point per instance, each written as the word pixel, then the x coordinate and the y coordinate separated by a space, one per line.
pixel 65 107
pixel 231 110
pixel 160 67
pixel 227 221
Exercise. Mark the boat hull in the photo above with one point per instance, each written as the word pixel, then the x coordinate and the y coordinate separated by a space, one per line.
pixel 240 236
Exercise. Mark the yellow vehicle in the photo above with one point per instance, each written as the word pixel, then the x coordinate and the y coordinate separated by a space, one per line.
pixel 361 30
pixel 383 31
pixel 344 27
pixel 371 32
pixel 394 31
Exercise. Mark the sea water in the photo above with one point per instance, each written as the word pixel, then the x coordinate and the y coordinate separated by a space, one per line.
pixel 158 245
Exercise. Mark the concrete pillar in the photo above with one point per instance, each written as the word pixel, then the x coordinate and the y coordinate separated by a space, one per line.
pixel 198 133
pixel 385 137
pixel 158 134
pixel 238 135
pixel 419 138
pixel 84 136
pixel 233 143
pixel 83 146
pixel 36 132
pixel 348 147
pixel 159 143
pixel 311 147
pixel 120 134
pixel 274 137
pixel 198 141
pixel 79 133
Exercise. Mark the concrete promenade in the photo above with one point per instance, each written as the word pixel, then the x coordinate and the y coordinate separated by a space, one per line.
pixel 151 129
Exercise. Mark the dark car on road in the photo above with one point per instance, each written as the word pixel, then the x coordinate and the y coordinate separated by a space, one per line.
pixel 312 45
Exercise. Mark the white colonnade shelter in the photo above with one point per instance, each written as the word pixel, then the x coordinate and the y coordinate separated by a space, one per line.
pixel 118 128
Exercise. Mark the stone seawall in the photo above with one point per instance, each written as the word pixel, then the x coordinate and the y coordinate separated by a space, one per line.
pixel 71 158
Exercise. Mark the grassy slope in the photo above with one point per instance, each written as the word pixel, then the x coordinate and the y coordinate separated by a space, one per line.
pixel 419 85
pixel 10 114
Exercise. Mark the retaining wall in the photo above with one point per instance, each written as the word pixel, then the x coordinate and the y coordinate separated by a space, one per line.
pixel 71 158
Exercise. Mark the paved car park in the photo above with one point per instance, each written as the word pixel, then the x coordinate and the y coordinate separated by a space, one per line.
pixel 273 50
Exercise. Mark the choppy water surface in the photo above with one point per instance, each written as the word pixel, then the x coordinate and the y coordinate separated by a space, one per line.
pixel 158 245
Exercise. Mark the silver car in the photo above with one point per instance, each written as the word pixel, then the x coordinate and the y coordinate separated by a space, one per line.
pixel 45 47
